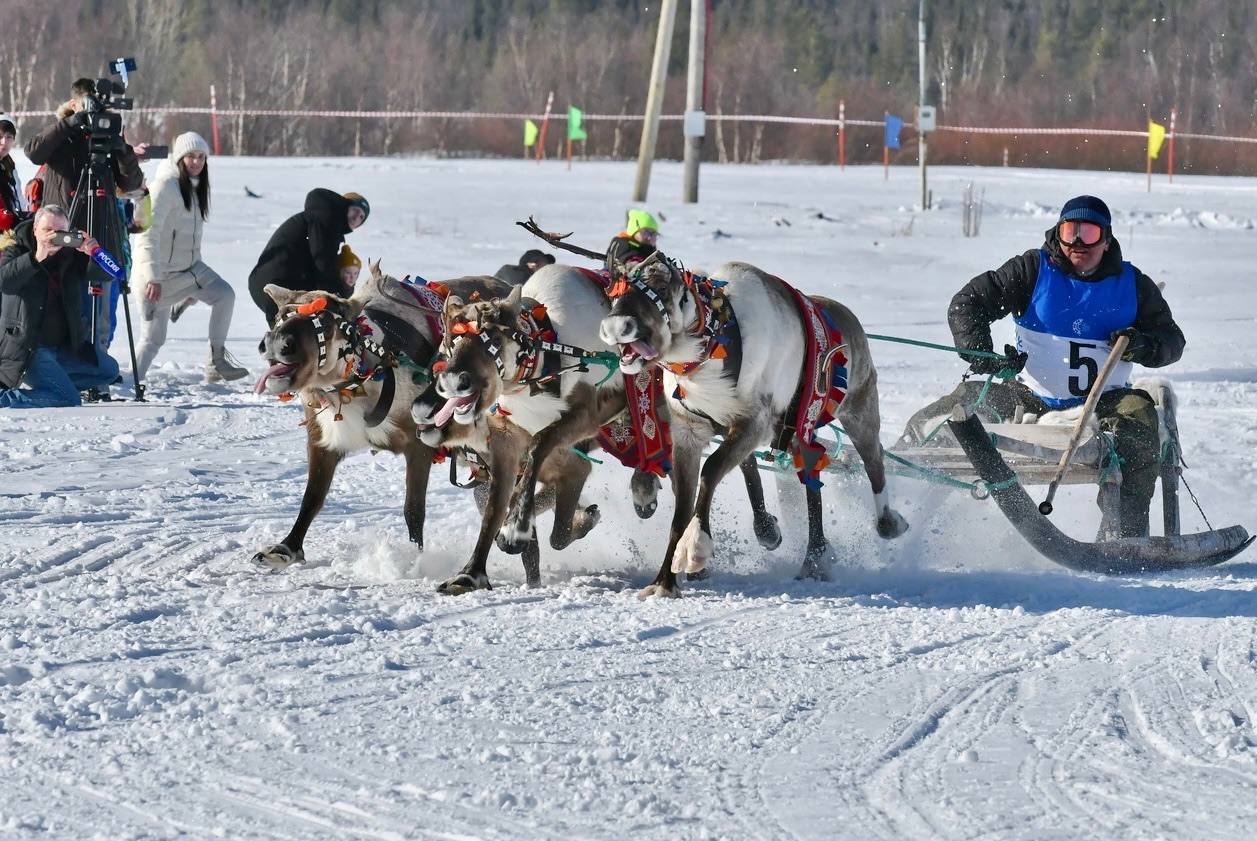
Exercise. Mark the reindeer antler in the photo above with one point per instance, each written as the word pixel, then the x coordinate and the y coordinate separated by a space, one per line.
pixel 557 240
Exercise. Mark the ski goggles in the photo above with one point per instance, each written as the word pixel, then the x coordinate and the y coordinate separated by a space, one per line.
pixel 1075 233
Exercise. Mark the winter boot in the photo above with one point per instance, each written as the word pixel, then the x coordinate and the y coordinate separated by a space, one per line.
pixel 222 366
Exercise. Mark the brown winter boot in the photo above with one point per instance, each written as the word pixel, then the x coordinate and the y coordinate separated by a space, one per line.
pixel 222 366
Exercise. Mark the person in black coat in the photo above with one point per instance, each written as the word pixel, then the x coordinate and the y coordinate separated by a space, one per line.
pixel 303 253
pixel 44 337
pixel 517 275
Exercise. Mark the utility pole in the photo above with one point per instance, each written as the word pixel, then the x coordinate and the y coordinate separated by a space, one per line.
pixel 921 119
pixel 654 98
pixel 695 100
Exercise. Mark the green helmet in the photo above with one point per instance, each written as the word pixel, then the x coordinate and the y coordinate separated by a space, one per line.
pixel 640 220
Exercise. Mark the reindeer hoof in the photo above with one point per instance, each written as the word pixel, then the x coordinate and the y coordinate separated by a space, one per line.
pixel 645 488
pixel 699 575
pixel 767 531
pixel 890 525
pixel 277 558
pixel 694 550
pixel 817 564
pixel 662 591
pixel 585 524
pixel 647 510
pixel 507 546
pixel 464 583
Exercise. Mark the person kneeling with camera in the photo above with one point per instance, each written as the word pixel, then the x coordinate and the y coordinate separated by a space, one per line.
pixel 44 337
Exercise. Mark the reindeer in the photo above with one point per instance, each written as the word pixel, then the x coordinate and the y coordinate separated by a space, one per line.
pixel 315 350
pixel 494 366
pixel 733 359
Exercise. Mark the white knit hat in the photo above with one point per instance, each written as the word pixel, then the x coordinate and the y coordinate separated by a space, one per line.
pixel 186 144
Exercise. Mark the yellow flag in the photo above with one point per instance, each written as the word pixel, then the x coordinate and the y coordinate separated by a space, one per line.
pixel 530 132
pixel 1156 136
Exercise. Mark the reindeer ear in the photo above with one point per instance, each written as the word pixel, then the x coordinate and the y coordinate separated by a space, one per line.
pixel 281 296
pixel 374 267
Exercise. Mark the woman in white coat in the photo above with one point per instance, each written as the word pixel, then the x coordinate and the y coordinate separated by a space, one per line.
pixel 166 259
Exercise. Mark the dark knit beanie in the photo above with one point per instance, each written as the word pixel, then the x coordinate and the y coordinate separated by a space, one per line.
pixel 357 200
pixel 1087 209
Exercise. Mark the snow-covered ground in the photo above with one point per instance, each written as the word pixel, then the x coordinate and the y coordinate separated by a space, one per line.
pixel 949 685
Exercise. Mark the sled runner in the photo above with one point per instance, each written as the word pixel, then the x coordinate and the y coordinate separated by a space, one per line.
pixel 1000 458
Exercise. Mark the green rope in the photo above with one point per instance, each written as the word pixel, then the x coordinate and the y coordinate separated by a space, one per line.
pixel 986 354
pixel 1112 461
pixel 607 359
pixel 586 456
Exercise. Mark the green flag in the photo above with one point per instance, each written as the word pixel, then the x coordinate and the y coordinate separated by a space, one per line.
pixel 530 132
pixel 574 131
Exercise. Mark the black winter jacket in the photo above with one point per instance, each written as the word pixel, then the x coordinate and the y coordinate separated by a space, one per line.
pixel 63 149
pixel 302 252
pixel 624 250
pixel 992 295
pixel 23 298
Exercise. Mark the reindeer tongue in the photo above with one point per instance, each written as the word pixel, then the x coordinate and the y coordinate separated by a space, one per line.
pixel 277 368
pixel 447 411
pixel 643 350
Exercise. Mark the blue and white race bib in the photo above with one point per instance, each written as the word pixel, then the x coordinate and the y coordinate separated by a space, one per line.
pixel 1065 332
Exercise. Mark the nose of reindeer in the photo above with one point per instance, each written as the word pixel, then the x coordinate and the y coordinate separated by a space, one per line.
pixel 287 345
pixel 618 329
pixel 451 384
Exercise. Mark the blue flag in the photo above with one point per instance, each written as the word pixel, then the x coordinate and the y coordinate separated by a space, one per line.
pixel 893 126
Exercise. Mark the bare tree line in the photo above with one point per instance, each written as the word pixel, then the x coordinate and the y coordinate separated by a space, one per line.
pixel 1002 62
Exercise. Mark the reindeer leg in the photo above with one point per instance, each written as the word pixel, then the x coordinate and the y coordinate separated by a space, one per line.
pixel 767 531
pixel 532 564
pixel 322 468
pixel 686 455
pixel 861 420
pixel 503 459
pixel 696 547
pixel 819 558
pixel 573 426
pixel 571 522
pixel 418 467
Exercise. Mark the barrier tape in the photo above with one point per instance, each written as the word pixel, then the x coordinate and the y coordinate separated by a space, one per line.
pixel 725 118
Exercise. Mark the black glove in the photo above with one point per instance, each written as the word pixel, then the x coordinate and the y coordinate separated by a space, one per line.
pixel 1012 359
pixel 79 119
pixel 1142 348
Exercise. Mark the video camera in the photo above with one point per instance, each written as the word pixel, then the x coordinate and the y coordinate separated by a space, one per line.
pixel 104 124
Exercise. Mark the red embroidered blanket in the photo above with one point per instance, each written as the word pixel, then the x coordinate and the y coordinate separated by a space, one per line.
pixel 822 389
pixel 641 439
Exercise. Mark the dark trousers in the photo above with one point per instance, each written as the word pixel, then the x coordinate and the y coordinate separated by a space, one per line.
pixel 1129 414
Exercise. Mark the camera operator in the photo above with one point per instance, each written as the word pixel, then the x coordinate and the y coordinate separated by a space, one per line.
pixel 63 148
pixel 44 339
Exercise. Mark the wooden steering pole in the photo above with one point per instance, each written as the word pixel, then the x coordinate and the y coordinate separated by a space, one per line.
pixel 1115 355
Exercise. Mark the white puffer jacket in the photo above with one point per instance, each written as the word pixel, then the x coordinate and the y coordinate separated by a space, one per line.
pixel 172 244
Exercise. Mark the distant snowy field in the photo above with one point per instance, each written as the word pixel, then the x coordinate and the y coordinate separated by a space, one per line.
pixel 949 685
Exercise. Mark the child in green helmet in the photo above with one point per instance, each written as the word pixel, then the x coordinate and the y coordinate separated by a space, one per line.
pixel 635 243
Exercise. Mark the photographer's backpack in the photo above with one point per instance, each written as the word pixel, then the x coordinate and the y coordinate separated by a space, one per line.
pixel 35 189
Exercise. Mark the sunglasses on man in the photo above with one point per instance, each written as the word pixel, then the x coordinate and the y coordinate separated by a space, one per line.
pixel 1079 234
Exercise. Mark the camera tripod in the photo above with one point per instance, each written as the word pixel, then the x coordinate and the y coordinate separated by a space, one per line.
pixel 96 192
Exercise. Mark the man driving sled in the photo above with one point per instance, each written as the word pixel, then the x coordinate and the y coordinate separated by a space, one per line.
pixel 1070 300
